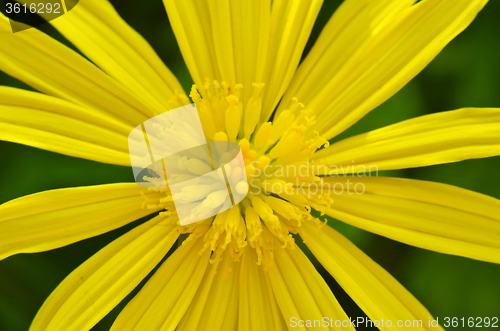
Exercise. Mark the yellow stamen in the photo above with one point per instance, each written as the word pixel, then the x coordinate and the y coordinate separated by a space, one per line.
pixel 253 111
pixel 263 135
pixel 277 205
pixel 233 117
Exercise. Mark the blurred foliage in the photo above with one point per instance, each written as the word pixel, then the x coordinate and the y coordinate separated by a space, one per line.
pixel 465 74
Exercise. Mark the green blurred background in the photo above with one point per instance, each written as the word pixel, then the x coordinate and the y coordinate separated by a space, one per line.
pixel 465 74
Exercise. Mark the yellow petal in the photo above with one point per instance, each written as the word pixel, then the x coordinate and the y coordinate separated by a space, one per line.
pixel 309 291
pixel 191 318
pixel 105 38
pixel 60 126
pixel 250 36
pixel 348 29
pixel 284 298
pixel 434 216
pixel 222 40
pixel 291 25
pixel 231 317
pixel 258 309
pixel 56 218
pixel 162 302
pixel 243 42
pixel 52 68
pixel 394 53
pixel 191 24
pixel 373 289
pixel 444 137
pixel 92 290
pixel 216 301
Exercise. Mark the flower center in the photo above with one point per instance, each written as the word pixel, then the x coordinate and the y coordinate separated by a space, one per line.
pixel 276 156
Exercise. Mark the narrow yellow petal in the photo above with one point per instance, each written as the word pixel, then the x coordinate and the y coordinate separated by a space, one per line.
pixel 244 42
pixel 258 309
pixel 60 126
pixel 218 303
pixel 284 298
pixel 56 218
pixel 352 24
pixel 11 96
pixel 231 316
pixel 129 59
pixel 373 289
pixel 192 316
pixel 222 40
pixel 99 284
pixel 250 22
pixel 290 27
pixel 220 19
pixel 214 302
pixel 429 215
pixel 395 53
pixel 444 137
pixel 311 294
pixel 50 67
pixel 191 24
pixel 163 301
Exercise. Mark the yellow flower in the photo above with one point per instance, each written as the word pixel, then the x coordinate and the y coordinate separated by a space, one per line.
pixel 243 269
